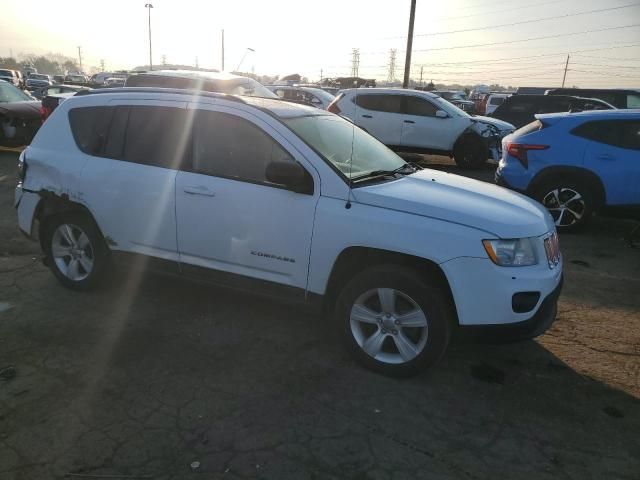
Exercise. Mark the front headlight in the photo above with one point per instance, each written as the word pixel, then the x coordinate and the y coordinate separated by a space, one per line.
pixel 516 252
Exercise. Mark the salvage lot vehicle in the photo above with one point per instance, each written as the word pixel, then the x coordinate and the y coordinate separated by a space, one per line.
pixel 19 116
pixel 315 97
pixel 10 76
pixel 38 81
pixel 206 81
pixel 458 98
pixel 576 164
pixel 520 110
pixel 618 97
pixel 400 255
pixel 421 122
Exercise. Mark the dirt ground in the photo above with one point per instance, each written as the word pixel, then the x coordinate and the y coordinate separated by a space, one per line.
pixel 163 379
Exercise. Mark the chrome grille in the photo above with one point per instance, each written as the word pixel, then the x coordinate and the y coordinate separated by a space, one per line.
pixel 552 248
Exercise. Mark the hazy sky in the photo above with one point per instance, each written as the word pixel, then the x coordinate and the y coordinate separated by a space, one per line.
pixel 304 37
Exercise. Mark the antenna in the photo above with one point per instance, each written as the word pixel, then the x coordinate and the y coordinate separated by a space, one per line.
pixel 354 73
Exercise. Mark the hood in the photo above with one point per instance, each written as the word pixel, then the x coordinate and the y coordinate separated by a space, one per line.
pixel 494 121
pixel 26 110
pixel 452 198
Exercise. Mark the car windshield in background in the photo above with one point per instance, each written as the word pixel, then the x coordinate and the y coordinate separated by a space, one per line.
pixel 449 107
pixel 6 73
pixel 325 96
pixel 247 87
pixel 350 149
pixel 9 93
pixel 36 76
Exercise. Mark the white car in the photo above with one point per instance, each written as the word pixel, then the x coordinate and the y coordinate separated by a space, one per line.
pixel 494 101
pixel 289 201
pixel 418 121
pixel 315 97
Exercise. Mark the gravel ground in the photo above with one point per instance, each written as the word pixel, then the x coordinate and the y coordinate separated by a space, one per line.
pixel 159 378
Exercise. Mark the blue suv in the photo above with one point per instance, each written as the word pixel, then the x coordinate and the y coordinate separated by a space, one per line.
pixel 575 163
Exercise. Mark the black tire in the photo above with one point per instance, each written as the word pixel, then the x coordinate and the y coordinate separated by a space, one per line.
pixel 97 250
pixel 426 294
pixel 470 151
pixel 564 189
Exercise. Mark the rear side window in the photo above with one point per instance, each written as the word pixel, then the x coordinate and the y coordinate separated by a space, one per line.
pixel 379 103
pixel 496 101
pixel 89 126
pixel 228 146
pixel 156 136
pixel 521 105
pixel 633 100
pixel 617 133
pixel 420 107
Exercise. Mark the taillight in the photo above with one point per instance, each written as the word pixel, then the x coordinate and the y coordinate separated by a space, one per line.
pixel 45 112
pixel 519 150
pixel 333 107
pixel 22 167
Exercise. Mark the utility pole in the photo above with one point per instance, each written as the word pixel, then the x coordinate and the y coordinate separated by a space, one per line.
pixel 80 57
pixel 222 69
pixel 566 66
pixel 407 61
pixel 102 64
pixel 11 52
pixel 355 61
pixel 421 69
pixel 197 62
pixel 164 59
pixel 391 76
pixel 149 6
pixel 320 76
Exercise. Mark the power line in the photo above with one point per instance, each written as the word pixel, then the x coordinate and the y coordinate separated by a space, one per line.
pixel 606 66
pixel 607 29
pixel 523 22
pixel 502 10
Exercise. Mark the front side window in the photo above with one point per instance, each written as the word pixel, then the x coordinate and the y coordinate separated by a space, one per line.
pixel 348 148
pixel 420 107
pixel 231 147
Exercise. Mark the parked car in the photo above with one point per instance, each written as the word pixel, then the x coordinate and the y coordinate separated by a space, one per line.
pixel 109 176
pixel 418 121
pixel 618 97
pixel 10 77
pixel 314 97
pixel 532 90
pixel 51 101
pixel 576 164
pixel 56 89
pixel 21 80
pixel 38 81
pixel 520 110
pixel 58 79
pixel 197 80
pixel 75 79
pixel 114 82
pixel 459 99
pixel 493 101
pixel 19 116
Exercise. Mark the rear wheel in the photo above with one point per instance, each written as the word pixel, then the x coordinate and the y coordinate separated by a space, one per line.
pixel 393 321
pixel 570 203
pixel 470 151
pixel 75 250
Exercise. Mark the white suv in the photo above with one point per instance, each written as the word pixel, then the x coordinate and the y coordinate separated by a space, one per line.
pixel 290 201
pixel 417 121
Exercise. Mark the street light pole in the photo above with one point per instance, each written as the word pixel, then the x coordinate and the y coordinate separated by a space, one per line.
pixel 149 6
pixel 407 61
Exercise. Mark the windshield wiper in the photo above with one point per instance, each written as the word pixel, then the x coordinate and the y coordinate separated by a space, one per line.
pixel 385 173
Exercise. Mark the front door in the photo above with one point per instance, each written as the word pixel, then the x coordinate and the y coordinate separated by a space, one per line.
pixel 231 220
pixel 380 115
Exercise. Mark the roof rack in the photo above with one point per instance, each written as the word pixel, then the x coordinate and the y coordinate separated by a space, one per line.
pixel 177 91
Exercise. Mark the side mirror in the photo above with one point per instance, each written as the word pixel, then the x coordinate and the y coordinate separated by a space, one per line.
pixel 290 175
pixel 441 114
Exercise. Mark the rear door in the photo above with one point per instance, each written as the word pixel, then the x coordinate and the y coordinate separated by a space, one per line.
pixel 130 180
pixel 614 154
pixel 380 114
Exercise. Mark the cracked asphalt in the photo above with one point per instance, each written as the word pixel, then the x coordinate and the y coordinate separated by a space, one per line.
pixel 158 378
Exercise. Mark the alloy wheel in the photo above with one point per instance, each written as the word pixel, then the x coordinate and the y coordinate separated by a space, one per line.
pixel 389 325
pixel 72 252
pixel 566 206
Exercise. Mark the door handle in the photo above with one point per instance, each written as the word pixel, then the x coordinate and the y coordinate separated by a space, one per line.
pixel 606 156
pixel 199 190
pixel 409 121
pixel 367 116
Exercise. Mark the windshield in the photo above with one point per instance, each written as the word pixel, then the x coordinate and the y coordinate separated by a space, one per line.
pixel 335 139
pixel 39 77
pixel 9 93
pixel 325 96
pixel 247 87
pixel 6 73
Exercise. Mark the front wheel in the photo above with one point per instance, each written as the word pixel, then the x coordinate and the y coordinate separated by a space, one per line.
pixel 393 321
pixel 470 151
pixel 75 250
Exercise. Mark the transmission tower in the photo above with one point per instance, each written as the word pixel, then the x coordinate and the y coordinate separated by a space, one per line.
pixel 164 59
pixel 355 61
pixel 391 77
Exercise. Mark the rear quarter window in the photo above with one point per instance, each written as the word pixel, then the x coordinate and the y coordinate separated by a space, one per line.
pixel 89 126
